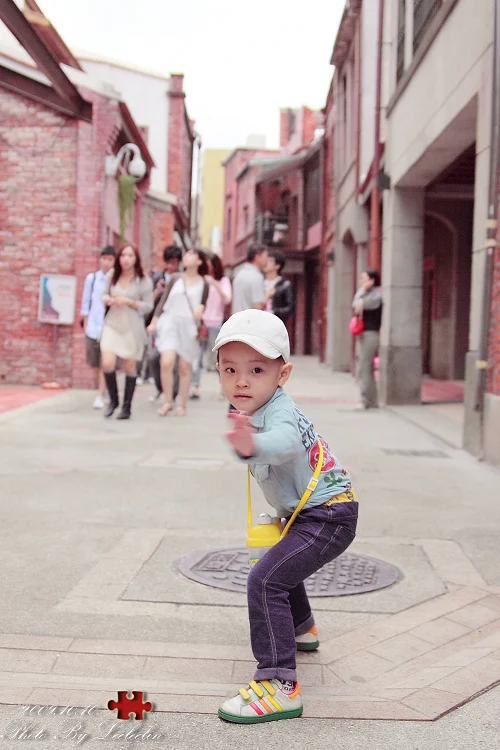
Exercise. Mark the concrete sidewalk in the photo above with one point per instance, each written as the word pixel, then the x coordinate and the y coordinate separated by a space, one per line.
pixel 95 515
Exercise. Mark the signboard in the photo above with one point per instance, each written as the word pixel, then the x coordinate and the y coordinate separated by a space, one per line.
pixel 57 298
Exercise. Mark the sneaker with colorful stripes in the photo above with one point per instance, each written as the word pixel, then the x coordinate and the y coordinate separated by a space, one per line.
pixel 263 700
pixel 308 641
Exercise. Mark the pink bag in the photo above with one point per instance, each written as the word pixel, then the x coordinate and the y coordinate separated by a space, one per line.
pixel 356 326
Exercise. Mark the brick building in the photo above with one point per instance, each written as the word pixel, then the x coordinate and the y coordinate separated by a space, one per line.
pixel 157 103
pixel 274 198
pixel 239 202
pixel 416 175
pixel 57 206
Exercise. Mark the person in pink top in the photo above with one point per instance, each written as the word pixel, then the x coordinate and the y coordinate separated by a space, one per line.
pixel 219 296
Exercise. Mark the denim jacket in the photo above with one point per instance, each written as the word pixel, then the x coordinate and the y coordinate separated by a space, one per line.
pixel 286 454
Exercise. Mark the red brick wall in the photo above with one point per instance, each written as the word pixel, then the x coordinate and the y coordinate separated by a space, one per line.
pixel 160 233
pixel 237 194
pixel 180 147
pixel 55 216
pixel 38 150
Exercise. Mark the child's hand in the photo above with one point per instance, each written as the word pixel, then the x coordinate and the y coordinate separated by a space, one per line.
pixel 241 437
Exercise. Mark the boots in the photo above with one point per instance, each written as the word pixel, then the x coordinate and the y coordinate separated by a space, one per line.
pixel 127 397
pixel 111 385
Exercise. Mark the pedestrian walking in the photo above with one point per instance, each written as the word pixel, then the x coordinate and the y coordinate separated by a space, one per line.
pixel 92 312
pixel 367 304
pixel 248 285
pixel 176 323
pixel 129 297
pixel 172 258
pixel 284 452
pixel 219 296
pixel 279 291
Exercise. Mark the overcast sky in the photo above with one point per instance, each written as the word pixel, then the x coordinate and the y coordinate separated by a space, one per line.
pixel 242 59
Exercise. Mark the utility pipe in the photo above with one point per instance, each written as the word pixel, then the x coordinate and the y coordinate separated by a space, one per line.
pixel 375 247
pixel 481 380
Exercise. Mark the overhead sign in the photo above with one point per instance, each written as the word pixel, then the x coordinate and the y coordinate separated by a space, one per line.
pixel 57 299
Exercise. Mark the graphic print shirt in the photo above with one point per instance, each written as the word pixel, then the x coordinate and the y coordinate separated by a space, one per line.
pixel 286 454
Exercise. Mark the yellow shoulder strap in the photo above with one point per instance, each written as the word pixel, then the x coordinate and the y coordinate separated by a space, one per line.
pixel 303 500
pixel 309 490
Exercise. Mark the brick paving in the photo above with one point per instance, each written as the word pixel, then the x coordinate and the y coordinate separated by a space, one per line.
pixel 415 665
pixel 13 397
pixel 98 567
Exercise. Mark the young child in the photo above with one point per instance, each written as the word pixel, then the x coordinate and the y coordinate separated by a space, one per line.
pixel 281 447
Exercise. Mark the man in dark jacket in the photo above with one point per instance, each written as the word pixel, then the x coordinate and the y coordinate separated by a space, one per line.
pixel 279 291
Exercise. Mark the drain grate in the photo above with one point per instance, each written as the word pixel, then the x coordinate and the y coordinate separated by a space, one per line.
pixel 350 573
pixel 416 453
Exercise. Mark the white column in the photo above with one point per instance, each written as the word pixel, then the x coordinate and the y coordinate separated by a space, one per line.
pixel 402 261
pixel 472 423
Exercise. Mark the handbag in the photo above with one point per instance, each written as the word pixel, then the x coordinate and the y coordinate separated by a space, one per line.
pixel 201 328
pixel 356 325
pixel 202 332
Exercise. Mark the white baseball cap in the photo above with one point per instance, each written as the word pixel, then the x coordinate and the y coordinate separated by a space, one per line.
pixel 261 330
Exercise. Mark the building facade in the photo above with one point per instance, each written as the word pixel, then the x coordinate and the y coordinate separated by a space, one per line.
pixel 274 198
pixel 239 203
pixel 58 207
pixel 157 103
pixel 212 198
pixel 414 165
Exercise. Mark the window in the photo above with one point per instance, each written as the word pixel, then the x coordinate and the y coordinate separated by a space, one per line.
pixel 344 101
pixel 423 13
pixel 229 220
pixel 245 219
pixel 400 63
pixel 312 192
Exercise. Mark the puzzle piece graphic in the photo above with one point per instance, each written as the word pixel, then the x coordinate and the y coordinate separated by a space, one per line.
pixel 126 705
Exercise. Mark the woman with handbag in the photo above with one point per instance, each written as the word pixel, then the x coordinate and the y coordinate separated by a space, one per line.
pixel 177 323
pixel 219 296
pixel 367 309
pixel 128 297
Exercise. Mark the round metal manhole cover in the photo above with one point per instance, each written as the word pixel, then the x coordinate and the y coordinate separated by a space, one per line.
pixel 227 568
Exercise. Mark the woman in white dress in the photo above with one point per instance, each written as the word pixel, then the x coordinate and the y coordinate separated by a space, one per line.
pixel 176 321
pixel 128 297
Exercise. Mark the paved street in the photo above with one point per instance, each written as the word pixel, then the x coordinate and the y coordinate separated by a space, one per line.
pixel 95 515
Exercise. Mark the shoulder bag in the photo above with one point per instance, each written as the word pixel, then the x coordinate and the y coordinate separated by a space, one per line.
pixel 356 325
pixel 313 482
pixel 202 330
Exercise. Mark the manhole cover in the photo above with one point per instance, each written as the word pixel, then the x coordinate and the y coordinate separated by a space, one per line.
pixel 227 568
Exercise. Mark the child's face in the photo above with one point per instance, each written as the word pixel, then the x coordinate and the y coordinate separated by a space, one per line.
pixel 248 378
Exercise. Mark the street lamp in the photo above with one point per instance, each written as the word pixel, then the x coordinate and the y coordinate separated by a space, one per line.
pixel 133 162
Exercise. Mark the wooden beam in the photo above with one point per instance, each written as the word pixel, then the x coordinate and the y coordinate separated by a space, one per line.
pixel 40 93
pixel 27 36
pixel 37 18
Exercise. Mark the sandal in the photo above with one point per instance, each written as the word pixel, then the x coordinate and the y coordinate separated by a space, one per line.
pixel 164 410
pixel 180 411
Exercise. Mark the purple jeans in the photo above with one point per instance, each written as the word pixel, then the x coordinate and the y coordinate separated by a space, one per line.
pixel 278 606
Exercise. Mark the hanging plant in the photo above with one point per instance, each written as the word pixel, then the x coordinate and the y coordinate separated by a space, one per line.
pixel 126 198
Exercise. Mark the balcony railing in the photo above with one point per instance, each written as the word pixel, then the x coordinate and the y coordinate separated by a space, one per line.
pixel 423 14
pixel 272 231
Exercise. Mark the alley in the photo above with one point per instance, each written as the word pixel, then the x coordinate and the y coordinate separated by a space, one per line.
pixel 98 513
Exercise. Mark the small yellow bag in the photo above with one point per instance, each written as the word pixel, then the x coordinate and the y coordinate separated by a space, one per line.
pixel 267 531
